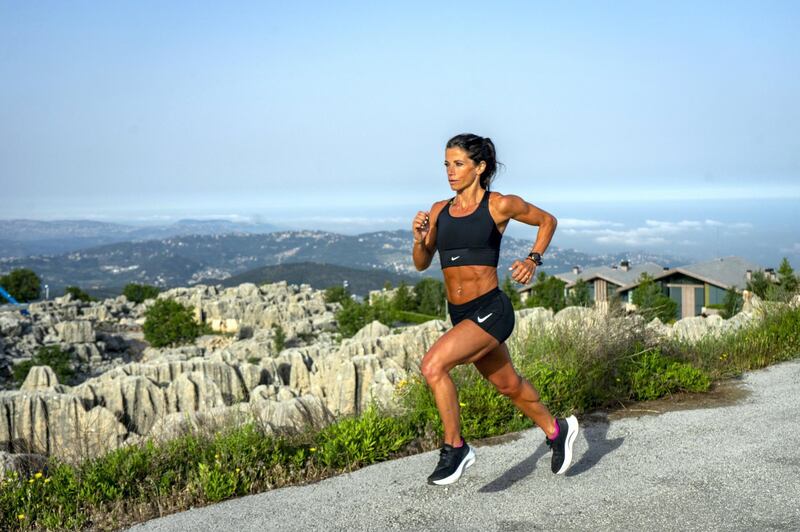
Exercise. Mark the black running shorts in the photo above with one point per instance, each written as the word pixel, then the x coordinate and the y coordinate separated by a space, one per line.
pixel 491 311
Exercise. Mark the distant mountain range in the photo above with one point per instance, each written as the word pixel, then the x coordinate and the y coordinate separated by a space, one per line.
pixel 23 238
pixel 193 259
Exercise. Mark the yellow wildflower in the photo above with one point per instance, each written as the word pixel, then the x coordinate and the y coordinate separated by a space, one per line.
pixel 38 474
pixel 462 404
pixel 21 516
pixel 31 480
pixel 46 480
pixel 238 470
pixel 313 449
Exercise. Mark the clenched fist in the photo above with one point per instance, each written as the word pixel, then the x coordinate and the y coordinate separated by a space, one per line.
pixel 421 225
pixel 522 271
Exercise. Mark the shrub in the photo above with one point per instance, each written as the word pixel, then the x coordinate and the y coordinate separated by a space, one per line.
pixel 23 284
pixel 732 303
pixel 168 323
pixel 579 295
pixel 429 295
pixel 547 292
pixel 279 341
pixel 357 441
pixel 51 355
pixel 758 284
pixel 787 279
pixel 652 375
pixel 336 294
pixel 651 301
pixel 511 291
pixel 137 293
pixel 78 294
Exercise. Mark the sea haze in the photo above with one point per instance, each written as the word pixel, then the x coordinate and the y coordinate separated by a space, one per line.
pixel 763 230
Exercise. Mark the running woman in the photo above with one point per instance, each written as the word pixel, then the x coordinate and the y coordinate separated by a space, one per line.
pixel 466 232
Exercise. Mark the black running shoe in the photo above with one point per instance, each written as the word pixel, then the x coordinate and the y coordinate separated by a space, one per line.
pixel 562 445
pixel 452 463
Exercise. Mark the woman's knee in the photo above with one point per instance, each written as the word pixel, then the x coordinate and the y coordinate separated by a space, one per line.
pixel 516 387
pixel 510 387
pixel 431 368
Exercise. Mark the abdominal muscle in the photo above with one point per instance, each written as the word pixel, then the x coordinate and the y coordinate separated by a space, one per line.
pixel 464 283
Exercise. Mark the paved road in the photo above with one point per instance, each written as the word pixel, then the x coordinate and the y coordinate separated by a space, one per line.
pixel 731 467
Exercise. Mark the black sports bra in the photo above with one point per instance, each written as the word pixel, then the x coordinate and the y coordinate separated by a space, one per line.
pixel 468 240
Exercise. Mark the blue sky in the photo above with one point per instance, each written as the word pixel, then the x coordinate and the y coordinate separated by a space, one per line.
pixel 339 110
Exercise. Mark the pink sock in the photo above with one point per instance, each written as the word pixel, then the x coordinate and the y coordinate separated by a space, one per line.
pixel 555 435
pixel 460 444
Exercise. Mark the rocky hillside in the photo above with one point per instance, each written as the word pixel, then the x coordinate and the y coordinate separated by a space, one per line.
pixel 125 391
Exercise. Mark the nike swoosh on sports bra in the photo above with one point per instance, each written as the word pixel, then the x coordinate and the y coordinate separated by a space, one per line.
pixel 468 240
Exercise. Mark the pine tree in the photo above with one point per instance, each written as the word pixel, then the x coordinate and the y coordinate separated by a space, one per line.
pixel 651 301
pixel 579 296
pixel 786 277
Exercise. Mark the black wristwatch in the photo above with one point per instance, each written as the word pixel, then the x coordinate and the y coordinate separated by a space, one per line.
pixel 535 257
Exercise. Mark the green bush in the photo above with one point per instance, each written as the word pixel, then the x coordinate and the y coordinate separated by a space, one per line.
pixel 23 284
pixel 429 296
pixel 50 355
pixel 336 294
pixel 357 441
pixel 169 323
pixel 652 375
pixel 579 295
pixel 279 341
pixel 652 302
pixel 78 294
pixel 547 292
pixel 138 293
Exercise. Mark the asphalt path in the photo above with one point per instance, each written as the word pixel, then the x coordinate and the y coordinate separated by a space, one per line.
pixel 734 467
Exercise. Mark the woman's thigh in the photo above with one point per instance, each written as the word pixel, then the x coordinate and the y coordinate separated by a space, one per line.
pixel 466 342
pixel 497 368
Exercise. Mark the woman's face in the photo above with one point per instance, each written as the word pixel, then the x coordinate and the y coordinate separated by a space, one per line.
pixel 461 170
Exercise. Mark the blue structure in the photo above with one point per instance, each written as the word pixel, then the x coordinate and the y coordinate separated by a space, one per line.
pixel 11 300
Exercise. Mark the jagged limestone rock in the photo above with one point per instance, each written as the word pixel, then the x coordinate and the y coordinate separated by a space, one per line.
pixel 46 422
pixel 226 377
pixel 372 330
pixel 291 414
pixel 39 378
pixel 191 392
pixel 136 400
pixel 529 320
pixel 76 332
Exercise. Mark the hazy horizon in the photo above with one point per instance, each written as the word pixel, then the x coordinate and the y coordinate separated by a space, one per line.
pixel 639 125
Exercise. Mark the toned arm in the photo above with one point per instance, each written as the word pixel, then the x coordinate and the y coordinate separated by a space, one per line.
pixel 515 208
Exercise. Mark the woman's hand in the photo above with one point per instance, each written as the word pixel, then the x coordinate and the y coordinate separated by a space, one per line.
pixel 421 225
pixel 522 270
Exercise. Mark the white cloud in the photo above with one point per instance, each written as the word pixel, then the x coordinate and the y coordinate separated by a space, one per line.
pixel 576 223
pixel 656 232
pixel 793 249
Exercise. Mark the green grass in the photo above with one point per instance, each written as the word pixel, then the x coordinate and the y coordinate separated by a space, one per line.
pixel 574 369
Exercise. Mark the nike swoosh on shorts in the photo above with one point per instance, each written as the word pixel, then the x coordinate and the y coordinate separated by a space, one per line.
pixel 481 320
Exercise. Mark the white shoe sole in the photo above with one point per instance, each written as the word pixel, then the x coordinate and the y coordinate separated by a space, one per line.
pixel 465 463
pixel 572 433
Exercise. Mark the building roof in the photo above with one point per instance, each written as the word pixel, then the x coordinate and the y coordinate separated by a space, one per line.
pixel 614 275
pixel 724 272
